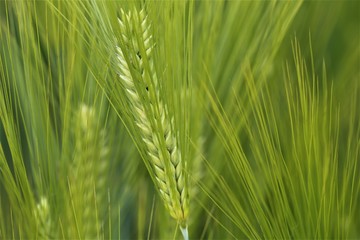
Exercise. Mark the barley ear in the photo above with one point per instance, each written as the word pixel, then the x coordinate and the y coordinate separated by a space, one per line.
pixel 150 114
pixel 88 172
pixel 43 219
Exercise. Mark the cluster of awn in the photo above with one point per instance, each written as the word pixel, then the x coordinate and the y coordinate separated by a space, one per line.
pixel 151 115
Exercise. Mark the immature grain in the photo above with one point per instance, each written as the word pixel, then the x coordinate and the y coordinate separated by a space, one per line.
pixel 150 113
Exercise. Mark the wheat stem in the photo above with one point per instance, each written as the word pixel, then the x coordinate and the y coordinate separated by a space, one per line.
pixel 185 233
pixel 150 113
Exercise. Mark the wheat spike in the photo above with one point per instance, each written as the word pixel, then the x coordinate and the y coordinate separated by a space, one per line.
pixel 43 219
pixel 151 115
pixel 88 180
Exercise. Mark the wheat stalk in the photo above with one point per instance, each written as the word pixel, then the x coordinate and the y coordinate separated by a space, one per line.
pixel 151 115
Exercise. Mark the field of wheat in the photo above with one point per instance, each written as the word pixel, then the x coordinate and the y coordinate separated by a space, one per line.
pixel 179 119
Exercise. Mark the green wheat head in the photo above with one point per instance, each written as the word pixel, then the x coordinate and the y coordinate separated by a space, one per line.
pixel 43 219
pixel 150 113
pixel 87 179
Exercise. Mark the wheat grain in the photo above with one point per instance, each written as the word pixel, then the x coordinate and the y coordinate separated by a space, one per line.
pixel 150 113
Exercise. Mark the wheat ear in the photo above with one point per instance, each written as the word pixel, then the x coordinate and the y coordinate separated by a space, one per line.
pixel 43 219
pixel 90 165
pixel 151 115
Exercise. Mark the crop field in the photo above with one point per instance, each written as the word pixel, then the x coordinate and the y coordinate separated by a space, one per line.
pixel 179 119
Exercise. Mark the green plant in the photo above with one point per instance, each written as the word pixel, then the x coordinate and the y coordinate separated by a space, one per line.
pixel 248 135
pixel 151 116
